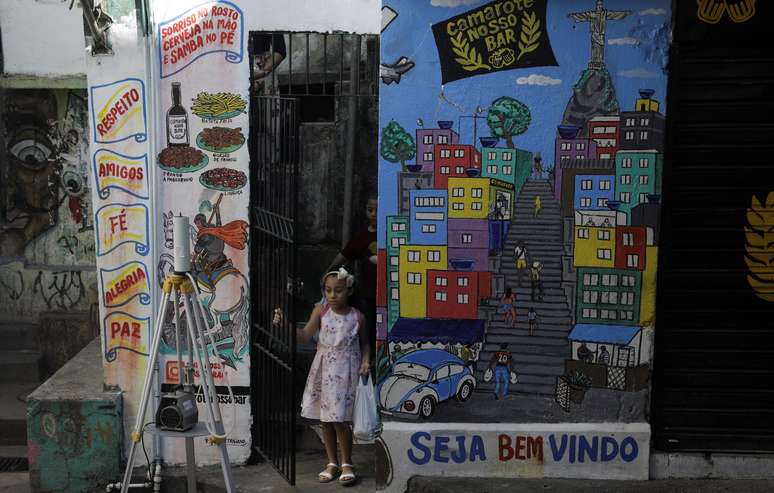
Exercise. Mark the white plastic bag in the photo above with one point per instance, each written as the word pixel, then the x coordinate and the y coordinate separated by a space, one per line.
pixel 488 375
pixel 365 420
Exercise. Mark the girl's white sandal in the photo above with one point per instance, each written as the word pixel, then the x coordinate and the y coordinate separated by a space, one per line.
pixel 347 478
pixel 325 476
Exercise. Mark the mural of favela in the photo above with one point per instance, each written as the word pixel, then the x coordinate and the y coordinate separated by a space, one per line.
pixel 519 211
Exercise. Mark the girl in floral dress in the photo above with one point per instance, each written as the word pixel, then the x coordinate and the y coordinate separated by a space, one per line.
pixel 342 356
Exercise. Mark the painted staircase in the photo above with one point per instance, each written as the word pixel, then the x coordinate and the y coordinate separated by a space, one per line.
pixel 538 359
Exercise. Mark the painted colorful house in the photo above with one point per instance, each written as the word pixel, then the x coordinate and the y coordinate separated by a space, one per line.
pixel 398 234
pixel 564 180
pixel 468 198
pixel 648 215
pixel 456 294
pixel 595 240
pixel 453 161
pixel 427 139
pixel 509 165
pixel 643 128
pixel 381 323
pixel 569 146
pixel 408 181
pixel 592 192
pixel 637 175
pixel 623 344
pixel 415 261
pixel 428 216
pixel 648 297
pixel 608 296
pixel 605 131
pixel 469 243
pixel 631 242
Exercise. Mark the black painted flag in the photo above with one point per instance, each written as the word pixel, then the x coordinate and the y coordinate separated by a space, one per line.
pixel 500 35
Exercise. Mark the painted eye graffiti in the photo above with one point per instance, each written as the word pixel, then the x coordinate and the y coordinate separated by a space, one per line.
pixel 31 151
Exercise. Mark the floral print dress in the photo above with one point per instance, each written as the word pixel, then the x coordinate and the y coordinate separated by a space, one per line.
pixel 329 395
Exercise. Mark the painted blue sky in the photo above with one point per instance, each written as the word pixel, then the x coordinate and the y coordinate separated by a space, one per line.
pixel 635 54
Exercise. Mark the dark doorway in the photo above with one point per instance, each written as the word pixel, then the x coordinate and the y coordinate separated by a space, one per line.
pixel 307 92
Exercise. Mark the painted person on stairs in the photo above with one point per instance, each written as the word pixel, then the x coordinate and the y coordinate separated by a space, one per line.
pixel 520 254
pixel 501 364
pixel 536 281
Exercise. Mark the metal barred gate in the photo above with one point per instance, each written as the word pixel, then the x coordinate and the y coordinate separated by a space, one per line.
pixel 274 130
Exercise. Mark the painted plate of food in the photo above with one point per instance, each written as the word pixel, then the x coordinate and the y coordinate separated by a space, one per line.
pixel 223 179
pixel 220 139
pixel 218 106
pixel 182 159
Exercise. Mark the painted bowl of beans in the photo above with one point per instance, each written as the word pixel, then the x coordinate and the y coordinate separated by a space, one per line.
pixel 223 179
pixel 182 159
pixel 220 139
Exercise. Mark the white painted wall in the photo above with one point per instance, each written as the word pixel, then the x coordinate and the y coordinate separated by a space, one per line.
pixel 42 37
pixel 357 16
pixel 45 38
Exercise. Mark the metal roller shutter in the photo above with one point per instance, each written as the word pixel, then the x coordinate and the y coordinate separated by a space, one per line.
pixel 713 383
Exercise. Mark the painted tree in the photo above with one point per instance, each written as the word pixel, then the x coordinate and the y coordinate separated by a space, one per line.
pixel 507 118
pixel 397 145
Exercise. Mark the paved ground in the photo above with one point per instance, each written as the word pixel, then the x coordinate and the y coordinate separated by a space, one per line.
pixel 473 485
pixel 249 479
pixel 14 482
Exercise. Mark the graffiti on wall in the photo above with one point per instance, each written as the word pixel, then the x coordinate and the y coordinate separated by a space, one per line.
pixel 46 233
pixel 518 234
pixel 45 178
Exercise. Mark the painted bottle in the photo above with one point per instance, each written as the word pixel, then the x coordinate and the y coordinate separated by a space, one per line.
pixel 177 120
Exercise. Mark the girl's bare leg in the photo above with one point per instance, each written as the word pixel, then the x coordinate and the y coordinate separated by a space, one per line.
pixel 329 440
pixel 344 434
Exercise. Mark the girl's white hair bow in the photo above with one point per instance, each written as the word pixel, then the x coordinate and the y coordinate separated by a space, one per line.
pixel 343 274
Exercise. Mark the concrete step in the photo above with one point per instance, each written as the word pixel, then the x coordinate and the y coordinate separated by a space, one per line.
pixel 532 370
pixel 493 341
pixel 546 321
pixel 13 413
pixel 527 209
pixel 528 349
pixel 549 321
pixel 529 379
pixel 544 308
pixel 558 331
pixel 520 388
pixel 20 366
pixel 17 335
pixel 540 360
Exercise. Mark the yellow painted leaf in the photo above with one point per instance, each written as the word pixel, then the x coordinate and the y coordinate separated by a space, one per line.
pixel 759 246
pixel 763 291
pixel 459 53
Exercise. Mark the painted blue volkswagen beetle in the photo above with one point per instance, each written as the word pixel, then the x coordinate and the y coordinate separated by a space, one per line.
pixel 422 379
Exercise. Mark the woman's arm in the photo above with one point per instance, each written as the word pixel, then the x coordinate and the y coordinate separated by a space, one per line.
pixel 337 262
pixel 365 347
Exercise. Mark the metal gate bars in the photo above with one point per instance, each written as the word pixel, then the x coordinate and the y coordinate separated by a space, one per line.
pixel 274 205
